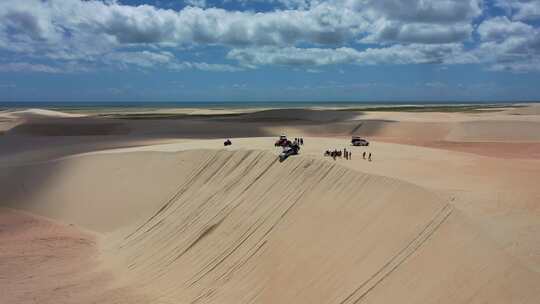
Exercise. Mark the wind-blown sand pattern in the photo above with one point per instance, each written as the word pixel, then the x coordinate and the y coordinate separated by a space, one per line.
pixel 193 222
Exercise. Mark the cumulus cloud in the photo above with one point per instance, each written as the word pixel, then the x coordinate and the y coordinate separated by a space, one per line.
pixel 28 67
pixel 197 3
pixel 521 9
pixel 396 54
pixel 30 22
pixel 166 60
pixel 145 59
pixel 298 32
pixel 517 67
pixel 420 33
pixel 501 28
pixel 508 45
pixel 203 66
pixel 422 11
pixel 48 22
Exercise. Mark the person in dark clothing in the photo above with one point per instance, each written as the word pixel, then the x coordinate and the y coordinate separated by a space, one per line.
pixel 364 155
pixel 369 157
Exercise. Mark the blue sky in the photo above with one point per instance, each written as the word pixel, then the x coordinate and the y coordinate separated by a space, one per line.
pixel 279 50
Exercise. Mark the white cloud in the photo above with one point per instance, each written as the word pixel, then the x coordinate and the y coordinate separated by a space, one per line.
pixel 28 67
pixel 521 9
pixel 435 85
pixel 289 4
pixel 167 60
pixel 501 27
pixel 508 45
pixel 145 59
pixel 36 24
pixel 196 3
pixel 203 66
pixel 305 33
pixel 425 11
pixel 420 32
pixel 85 27
pixel 396 54
pixel 517 67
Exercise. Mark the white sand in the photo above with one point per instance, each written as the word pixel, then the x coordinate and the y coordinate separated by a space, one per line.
pixel 192 221
pixel 38 113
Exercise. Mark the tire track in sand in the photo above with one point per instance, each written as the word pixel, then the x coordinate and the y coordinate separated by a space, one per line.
pixel 361 291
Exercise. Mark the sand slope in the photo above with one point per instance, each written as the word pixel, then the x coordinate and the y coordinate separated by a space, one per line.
pixel 45 262
pixel 247 229
pixel 99 192
pixel 221 226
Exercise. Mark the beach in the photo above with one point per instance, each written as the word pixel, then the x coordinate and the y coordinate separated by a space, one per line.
pixel 149 206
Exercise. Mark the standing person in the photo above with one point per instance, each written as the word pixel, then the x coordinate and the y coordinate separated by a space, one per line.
pixel 369 158
pixel 364 155
pixel 350 155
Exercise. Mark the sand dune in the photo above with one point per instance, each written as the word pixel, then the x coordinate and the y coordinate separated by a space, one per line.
pixel 467 131
pixel 525 109
pixel 190 221
pixel 496 131
pixel 427 129
pixel 99 192
pixel 320 116
pixel 38 113
pixel 67 128
pixel 240 227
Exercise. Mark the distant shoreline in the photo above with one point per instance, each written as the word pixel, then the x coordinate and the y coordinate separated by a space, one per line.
pixel 378 106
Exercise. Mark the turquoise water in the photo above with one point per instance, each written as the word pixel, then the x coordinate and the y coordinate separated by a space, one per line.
pixel 216 105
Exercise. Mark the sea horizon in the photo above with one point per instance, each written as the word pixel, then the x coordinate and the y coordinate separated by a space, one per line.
pixel 236 104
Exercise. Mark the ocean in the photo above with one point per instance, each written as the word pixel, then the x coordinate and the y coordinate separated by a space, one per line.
pixel 221 105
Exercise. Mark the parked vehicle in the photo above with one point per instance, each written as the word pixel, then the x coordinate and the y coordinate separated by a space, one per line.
pixel 283 141
pixel 358 141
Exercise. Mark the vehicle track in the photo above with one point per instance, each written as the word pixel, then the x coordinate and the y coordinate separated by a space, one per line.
pixel 400 257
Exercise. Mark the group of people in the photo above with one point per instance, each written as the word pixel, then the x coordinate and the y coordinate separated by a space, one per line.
pixel 364 155
pixel 345 153
pixel 339 153
pixel 299 141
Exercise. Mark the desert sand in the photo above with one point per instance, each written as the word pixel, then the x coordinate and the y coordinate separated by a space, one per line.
pixel 106 208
